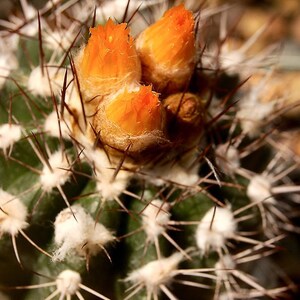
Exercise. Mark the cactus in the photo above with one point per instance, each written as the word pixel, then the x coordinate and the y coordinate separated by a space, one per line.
pixel 141 158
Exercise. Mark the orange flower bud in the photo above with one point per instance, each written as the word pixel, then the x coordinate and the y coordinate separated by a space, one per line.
pixel 131 119
pixel 167 50
pixel 185 107
pixel 185 115
pixel 108 61
pixel 137 112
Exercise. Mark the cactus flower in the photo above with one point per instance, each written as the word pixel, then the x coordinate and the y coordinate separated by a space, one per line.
pixel 131 117
pixel 108 61
pixel 167 50
pixel 136 112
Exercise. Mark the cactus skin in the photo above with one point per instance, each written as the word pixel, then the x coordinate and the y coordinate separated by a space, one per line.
pixel 180 206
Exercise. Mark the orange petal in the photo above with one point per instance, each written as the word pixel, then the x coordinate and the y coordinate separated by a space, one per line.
pixel 109 58
pixel 136 112
pixel 170 42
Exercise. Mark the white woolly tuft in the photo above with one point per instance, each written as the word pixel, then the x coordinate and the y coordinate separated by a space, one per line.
pixel 55 127
pixel 259 189
pixel 42 85
pixel 155 218
pixel 227 158
pixel 225 296
pixel 252 114
pixel 108 186
pixel 8 62
pixel 59 40
pixel 89 237
pixel 156 273
pixel 24 27
pixel 174 173
pixel 9 134
pixel 111 189
pixel 68 282
pixel 13 214
pixel 59 174
pixel 215 228
pixel 8 59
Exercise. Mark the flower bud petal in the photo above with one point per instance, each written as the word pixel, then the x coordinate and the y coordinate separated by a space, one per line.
pixel 137 112
pixel 108 61
pixel 184 117
pixel 167 50
pixel 131 120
